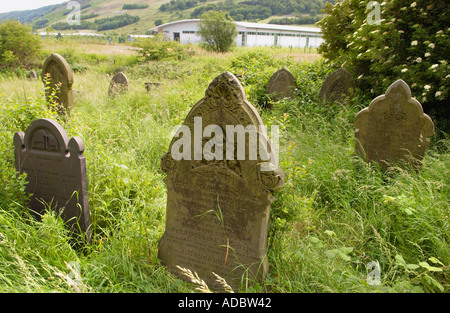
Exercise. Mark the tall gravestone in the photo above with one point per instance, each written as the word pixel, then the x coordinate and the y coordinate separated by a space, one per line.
pixel 118 84
pixel 60 76
pixel 393 128
pixel 337 85
pixel 56 172
pixel 218 207
pixel 281 85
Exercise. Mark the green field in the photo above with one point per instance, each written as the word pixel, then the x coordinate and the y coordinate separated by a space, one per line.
pixel 334 216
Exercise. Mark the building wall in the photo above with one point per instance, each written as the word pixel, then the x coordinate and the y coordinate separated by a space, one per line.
pixel 186 32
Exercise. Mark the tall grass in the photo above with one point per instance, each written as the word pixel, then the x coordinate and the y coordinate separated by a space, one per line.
pixel 335 214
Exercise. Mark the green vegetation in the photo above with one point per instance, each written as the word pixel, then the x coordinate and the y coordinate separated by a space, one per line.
pixel 28 16
pixel 303 19
pixel 157 48
pixel 334 216
pixel 217 30
pixel 253 10
pixel 18 47
pixel 134 6
pixel 411 41
pixel 178 5
pixel 102 23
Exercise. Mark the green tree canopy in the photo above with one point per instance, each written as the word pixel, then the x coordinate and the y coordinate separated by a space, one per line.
pixel 18 46
pixel 217 30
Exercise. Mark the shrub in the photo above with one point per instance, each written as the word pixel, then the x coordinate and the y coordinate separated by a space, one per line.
pixel 19 48
pixel 134 6
pixel 156 48
pixel 410 42
pixel 254 69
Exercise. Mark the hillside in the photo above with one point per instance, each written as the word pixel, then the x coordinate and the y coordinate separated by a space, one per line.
pixel 140 15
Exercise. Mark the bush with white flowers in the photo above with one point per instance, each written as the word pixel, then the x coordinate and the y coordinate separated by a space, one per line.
pixel 410 40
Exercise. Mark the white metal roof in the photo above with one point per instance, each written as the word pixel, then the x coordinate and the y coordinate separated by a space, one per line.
pixel 279 27
pixel 252 25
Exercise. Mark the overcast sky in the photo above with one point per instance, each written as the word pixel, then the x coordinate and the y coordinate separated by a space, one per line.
pixel 20 5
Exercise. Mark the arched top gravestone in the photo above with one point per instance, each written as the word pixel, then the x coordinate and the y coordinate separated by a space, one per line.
pixel 337 85
pixel 118 84
pixel 60 76
pixel 219 192
pixel 282 84
pixel 56 172
pixel 393 128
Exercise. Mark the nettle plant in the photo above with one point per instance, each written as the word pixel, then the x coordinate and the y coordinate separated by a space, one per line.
pixel 404 39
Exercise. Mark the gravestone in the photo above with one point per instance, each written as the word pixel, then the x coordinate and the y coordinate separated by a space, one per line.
pixel 118 84
pixel 32 75
pixel 337 85
pixel 148 86
pixel 60 76
pixel 393 129
pixel 218 207
pixel 281 85
pixel 56 172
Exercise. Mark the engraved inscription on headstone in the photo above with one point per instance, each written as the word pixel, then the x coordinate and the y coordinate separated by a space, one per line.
pixel 118 84
pixel 337 85
pixel 218 208
pixel 60 76
pixel 56 172
pixel 393 128
pixel 281 85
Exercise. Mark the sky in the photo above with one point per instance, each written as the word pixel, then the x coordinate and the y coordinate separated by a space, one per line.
pixel 20 5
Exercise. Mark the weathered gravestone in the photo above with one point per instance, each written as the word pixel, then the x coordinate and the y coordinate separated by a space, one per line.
pixel 32 75
pixel 218 205
pixel 393 128
pixel 281 85
pixel 56 172
pixel 148 86
pixel 118 84
pixel 59 74
pixel 337 85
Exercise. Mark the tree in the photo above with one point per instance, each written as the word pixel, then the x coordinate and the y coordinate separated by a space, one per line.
pixel 217 30
pixel 18 46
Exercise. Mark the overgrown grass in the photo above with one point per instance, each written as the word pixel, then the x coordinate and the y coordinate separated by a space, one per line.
pixel 334 215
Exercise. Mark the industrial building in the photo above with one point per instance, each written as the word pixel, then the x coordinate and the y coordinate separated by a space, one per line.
pixel 249 34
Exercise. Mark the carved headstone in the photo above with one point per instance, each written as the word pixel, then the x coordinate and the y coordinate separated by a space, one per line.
pixel 281 85
pixel 56 172
pixel 337 85
pixel 393 128
pixel 218 205
pixel 60 76
pixel 118 84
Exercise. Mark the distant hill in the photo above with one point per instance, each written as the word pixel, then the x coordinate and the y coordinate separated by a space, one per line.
pixel 138 16
pixel 27 16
